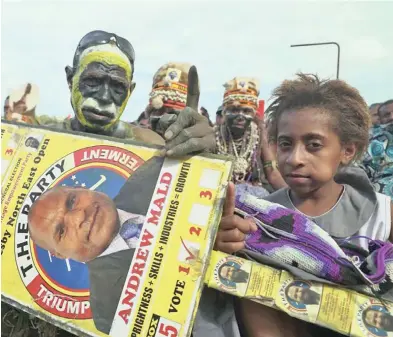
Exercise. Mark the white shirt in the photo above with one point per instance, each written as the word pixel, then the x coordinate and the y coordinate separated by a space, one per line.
pixel 118 244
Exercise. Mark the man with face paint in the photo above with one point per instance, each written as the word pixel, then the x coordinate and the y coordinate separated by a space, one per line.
pixel 100 82
pixel 240 136
pixel 174 97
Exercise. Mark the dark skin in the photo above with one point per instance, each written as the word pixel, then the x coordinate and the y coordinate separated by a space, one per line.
pixel 105 83
pixel 238 120
pixel 268 155
pixel 233 229
pixel 374 114
pixel 303 295
pixel 309 153
pixel 186 131
pixel 32 142
pixel 231 273
pixel 7 109
pixel 219 119
pixel 379 320
pixel 386 114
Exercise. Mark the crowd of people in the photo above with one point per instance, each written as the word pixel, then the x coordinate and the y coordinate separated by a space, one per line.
pixel 319 150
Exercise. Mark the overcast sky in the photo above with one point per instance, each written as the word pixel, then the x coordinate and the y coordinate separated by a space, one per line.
pixel 222 38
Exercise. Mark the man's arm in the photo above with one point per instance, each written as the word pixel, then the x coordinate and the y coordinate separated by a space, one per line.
pixel 268 158
pixel 188 131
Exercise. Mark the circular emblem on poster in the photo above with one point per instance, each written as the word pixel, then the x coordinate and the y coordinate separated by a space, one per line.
pixel 299 296
pixel 374 319
pixel 231 274
pixel 61 286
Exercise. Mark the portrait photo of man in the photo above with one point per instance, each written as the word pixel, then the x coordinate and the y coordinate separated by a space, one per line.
pixel 88 226
pixel 32 142
pixel 232 273
pixel 378 320
pixel 299 294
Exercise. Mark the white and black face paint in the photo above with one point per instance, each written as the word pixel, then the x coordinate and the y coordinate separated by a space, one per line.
pixel 238 119
pixel 104 89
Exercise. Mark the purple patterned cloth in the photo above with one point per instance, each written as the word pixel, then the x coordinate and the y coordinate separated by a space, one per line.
pixel 292 239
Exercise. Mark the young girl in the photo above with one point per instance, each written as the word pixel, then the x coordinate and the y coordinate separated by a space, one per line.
pixel 319 128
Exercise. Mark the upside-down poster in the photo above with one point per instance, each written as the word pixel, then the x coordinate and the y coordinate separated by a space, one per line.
pixel 103 238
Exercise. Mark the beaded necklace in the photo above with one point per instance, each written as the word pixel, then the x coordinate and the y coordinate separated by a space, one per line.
pixel 242 149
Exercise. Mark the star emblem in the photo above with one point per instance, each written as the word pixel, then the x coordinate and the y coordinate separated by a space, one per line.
pixel 73 177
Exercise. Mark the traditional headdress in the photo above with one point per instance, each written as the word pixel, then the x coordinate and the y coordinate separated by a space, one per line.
pixel 170 86
pixel 242 91
pixel 109 42
pixel 27 98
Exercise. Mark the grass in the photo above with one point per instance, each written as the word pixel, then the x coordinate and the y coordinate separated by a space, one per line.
pixel 17 323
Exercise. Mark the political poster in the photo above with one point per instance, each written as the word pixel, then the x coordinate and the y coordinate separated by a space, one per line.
pixel 337 308
pixel 104 237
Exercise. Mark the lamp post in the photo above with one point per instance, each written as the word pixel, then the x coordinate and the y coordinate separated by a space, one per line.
pixel 321 44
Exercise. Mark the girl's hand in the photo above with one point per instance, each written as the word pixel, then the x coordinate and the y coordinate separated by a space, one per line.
pixel 233 229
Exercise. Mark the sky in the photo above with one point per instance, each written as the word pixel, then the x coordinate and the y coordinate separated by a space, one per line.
pixel 222 38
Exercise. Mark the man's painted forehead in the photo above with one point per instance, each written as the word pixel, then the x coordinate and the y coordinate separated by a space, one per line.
pixel 107 54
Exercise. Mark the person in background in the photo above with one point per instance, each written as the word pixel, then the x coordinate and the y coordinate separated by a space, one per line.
pixel 385 112
pixel 205 113
pixel 20 105
pixel 219 117
pixel 175 90
pixel 373 109
pixel 7 109
pixel 243 136
pixel 378 159
pixel 143 120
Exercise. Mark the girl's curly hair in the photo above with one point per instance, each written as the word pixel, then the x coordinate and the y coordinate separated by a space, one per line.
pixel 348 109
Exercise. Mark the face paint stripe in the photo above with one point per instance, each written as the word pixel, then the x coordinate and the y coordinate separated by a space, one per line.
pixel 105 57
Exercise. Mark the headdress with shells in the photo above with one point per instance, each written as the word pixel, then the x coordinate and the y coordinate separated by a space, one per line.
pixel 170 86
pixel 242 91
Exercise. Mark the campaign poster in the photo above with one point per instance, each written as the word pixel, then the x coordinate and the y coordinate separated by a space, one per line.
pixel 299 298
pixel 337 308
pixel 243 278
pixel 372 318
pixel 106 238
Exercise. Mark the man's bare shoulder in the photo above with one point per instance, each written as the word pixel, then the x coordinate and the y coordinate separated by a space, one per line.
pixel 56 122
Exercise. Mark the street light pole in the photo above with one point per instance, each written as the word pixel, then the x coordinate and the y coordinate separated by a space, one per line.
pixel 320 44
